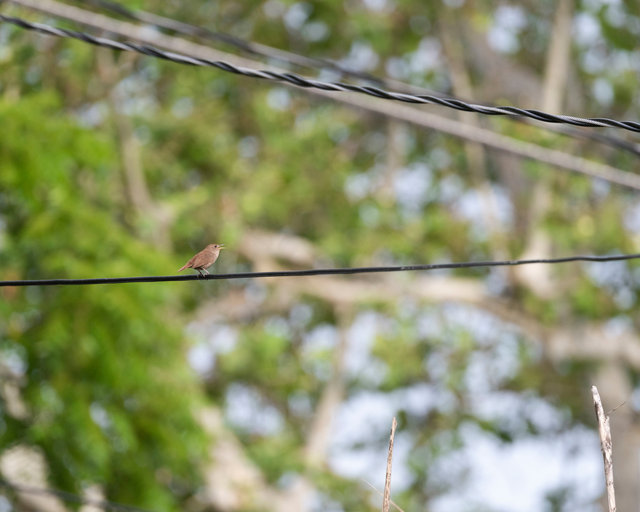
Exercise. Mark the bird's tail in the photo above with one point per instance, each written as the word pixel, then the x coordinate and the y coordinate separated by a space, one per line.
pixel 186 265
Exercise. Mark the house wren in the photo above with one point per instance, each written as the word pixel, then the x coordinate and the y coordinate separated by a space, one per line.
pixel 204 259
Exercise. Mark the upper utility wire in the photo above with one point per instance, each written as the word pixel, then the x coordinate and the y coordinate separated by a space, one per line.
pixel 295 59
pixel 300 81
pixel 250 47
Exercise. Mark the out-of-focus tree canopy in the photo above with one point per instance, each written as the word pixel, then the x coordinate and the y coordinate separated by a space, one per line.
pixel 279 394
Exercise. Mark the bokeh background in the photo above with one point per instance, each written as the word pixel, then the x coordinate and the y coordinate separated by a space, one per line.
pixel 278 394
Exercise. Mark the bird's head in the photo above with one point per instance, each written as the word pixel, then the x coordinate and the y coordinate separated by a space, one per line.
pixel 216 247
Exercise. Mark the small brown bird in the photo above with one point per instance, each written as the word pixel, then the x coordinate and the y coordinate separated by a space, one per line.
pixel 204 259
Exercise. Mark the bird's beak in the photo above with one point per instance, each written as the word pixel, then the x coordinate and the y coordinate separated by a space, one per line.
pixel 222 246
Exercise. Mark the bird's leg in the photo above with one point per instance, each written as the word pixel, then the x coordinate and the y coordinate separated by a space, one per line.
pixel 200 274
pixel 205 271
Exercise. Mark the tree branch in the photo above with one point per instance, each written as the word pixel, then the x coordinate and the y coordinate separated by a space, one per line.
pixel 387 481
pixel 606 445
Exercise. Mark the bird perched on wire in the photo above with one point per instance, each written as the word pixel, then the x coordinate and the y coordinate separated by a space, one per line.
pixel 204 259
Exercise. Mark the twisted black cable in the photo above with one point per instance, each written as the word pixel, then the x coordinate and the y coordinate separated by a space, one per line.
pixel 249 47
pixel 289 58
pixel 300 81
pixel 314 271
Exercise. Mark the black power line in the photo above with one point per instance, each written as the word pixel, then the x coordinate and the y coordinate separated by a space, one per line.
pixel 315 272
pixel 290 58
pixel 249 47
pixel 300 81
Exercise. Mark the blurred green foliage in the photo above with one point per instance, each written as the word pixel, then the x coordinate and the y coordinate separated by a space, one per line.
pixel 106 382
pixel 105 379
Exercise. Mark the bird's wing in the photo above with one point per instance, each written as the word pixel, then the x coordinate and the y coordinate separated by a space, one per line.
pixel 190 263
pixel 199 260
